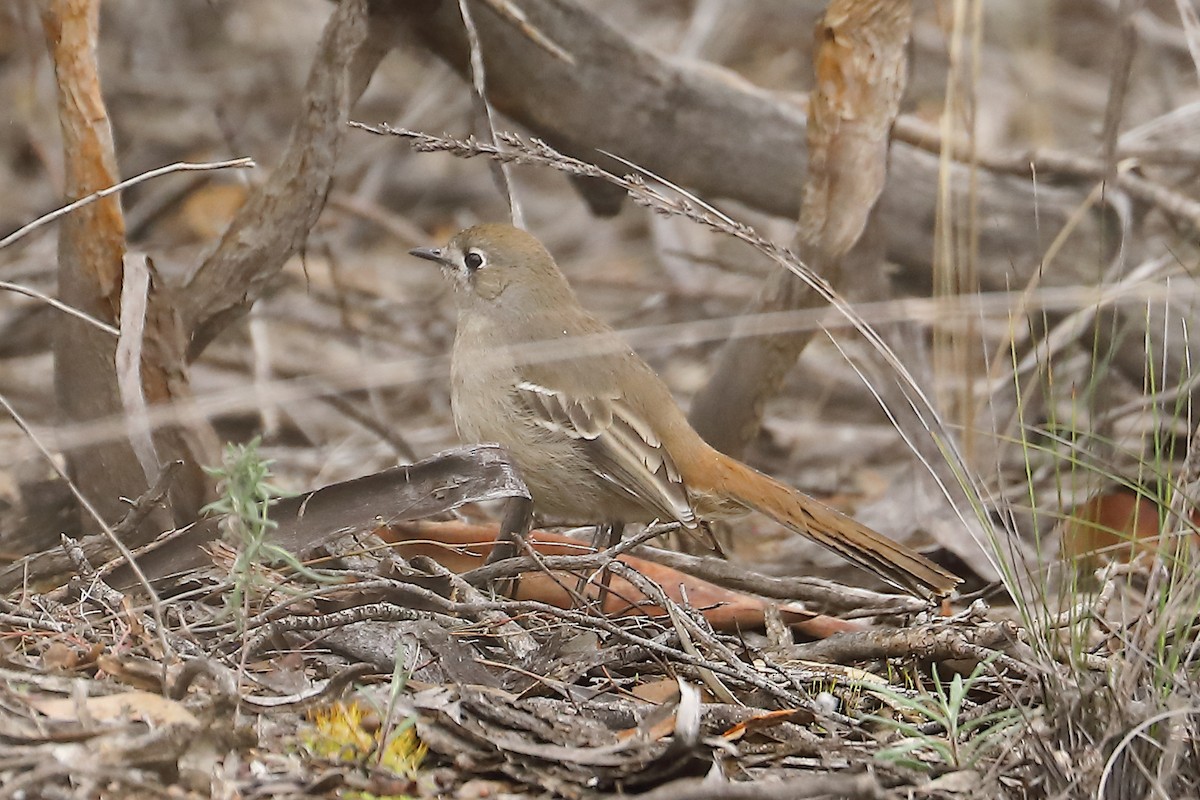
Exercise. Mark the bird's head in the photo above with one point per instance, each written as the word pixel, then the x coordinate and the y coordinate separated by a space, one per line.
pixel 498 265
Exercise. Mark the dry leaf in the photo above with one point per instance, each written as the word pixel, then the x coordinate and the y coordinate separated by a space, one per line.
pixel 136 705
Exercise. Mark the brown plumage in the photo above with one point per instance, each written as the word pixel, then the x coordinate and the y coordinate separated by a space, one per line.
pixel 595 432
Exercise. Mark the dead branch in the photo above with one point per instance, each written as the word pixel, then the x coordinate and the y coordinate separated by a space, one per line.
pixel 432 486
pixel 824 596
pixel 92 379
pixel 861 69
pixel 423 598
pixel 462 547
pixel 274 222
pixel 853 787
pixel 976 643
pixel 181 166
pixel 679 122
pixel 90 264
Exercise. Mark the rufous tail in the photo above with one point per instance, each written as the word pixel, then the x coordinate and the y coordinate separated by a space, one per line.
pixel 893 562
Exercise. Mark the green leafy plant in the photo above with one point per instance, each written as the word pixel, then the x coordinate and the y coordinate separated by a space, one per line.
pixel 964 742
pixel 246 496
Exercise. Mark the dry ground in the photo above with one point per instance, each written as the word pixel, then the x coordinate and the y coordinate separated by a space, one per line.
pixel 1044 310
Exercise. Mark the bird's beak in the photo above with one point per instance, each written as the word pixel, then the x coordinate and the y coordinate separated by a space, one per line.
pixel 430 254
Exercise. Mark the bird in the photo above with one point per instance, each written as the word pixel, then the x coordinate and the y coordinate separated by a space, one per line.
pixel 595 433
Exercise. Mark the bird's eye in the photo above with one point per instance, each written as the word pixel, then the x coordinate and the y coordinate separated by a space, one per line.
pixel 473 260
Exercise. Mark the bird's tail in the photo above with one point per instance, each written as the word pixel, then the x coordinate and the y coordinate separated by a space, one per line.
pixel 893 562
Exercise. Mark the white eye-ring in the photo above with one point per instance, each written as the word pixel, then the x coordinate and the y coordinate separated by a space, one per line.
pixel 473 260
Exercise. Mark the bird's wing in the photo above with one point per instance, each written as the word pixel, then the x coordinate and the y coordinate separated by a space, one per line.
pixel 624 449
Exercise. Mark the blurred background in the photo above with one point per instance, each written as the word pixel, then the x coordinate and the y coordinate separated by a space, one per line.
pixel 210 79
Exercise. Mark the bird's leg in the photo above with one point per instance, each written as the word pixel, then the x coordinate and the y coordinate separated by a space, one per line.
pixel 717 539
pixel 518 519
pixel 606 536
pixel 706 539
